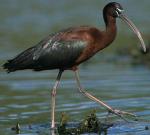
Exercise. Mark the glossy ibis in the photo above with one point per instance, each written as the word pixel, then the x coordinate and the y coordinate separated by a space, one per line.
pixel 68 48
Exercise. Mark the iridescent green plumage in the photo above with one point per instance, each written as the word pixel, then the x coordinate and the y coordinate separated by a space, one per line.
pixel 60 54
pixel 51 53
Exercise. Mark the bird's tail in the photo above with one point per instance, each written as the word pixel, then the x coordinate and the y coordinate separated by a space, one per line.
pixel 22 61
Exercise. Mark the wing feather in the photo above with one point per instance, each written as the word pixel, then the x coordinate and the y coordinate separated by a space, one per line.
pixel 54 52
pixel 59 54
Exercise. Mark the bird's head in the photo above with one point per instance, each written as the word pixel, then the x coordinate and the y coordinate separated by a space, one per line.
pixel 115 10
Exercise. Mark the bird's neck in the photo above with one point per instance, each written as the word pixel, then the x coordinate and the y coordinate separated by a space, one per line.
pixel 111 29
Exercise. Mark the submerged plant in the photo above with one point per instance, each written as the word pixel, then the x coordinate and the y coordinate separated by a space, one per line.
pixel 16 128
pixel 91 124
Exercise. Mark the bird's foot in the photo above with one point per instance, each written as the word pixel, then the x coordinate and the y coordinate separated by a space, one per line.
pixel 121 114
pixel 53 128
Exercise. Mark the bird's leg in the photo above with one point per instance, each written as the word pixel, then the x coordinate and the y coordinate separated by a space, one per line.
pixel 110 109
pixel 53 95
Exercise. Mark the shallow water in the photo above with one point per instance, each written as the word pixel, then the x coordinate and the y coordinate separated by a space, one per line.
pixel 25 98
pixel 25 95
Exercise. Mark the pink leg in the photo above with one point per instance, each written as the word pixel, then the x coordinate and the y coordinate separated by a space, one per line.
pixel 53 95
pixel 110 109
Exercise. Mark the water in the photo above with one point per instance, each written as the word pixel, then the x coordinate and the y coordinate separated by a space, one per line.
pixel 26 98
pixel 25 95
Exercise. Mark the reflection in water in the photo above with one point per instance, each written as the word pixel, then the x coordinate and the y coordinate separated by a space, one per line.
pixel 53 132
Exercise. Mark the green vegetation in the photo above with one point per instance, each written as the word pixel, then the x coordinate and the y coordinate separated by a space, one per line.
pixel 90 124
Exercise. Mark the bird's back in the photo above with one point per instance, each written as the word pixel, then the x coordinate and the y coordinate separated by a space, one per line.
pixel 58 51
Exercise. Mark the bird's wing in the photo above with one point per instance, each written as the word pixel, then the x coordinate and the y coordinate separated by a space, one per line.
pixel 57 52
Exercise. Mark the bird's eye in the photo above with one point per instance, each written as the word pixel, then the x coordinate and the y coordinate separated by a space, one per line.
pixel 119 11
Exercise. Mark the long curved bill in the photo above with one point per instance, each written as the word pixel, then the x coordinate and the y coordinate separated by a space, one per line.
pixel 134 28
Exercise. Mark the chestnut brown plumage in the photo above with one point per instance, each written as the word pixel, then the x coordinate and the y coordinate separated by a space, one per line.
pixel 66 49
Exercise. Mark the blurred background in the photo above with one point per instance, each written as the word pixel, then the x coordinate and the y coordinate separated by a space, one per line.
pixel 120 74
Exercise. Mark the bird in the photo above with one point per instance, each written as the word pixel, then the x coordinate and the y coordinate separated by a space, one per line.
pixel 68 48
